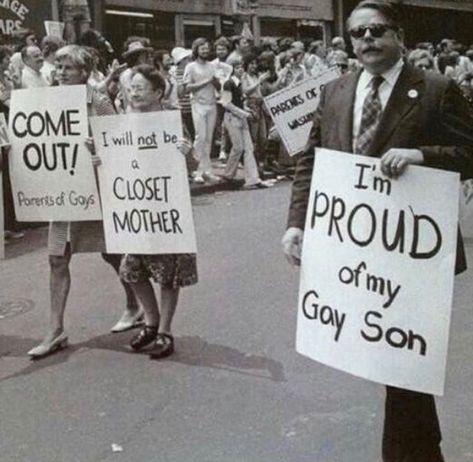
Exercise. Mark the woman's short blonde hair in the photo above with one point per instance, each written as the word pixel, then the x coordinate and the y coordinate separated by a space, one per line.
pixel 78 55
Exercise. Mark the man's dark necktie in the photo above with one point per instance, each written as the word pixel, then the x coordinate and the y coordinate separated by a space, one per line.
pixel 370 116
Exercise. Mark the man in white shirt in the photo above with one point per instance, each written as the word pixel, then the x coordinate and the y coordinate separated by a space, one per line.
pixel 200 79
pixel 31 76
pixel 223 72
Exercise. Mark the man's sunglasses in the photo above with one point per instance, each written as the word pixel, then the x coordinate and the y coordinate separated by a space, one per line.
pixel 376 30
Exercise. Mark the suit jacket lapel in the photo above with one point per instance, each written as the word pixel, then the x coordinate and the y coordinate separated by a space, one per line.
pixel 404 97
pixel 346 100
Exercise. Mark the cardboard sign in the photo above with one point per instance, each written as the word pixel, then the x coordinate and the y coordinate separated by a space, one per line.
pixel 292 109
pixel 143 184
pixel 54 28
pixel 3 131
pixel 377 271
pixel 50 166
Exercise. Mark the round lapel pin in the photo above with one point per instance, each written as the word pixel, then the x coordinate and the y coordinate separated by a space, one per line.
pixel 413 94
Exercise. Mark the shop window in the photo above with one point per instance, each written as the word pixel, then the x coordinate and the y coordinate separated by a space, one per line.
pixel 275 28
pixel 199 27
pixel 157 26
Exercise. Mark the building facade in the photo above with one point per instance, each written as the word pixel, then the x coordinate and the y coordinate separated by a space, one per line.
pixel 170 22
pixel 427 20
pixel 25 14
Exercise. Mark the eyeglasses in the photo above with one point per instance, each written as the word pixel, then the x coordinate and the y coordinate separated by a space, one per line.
pixel 376 30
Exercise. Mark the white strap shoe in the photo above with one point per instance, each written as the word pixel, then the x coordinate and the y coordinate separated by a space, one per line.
pixel 46 348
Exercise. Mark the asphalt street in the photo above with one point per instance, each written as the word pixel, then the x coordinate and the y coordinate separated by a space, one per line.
pixel 235 390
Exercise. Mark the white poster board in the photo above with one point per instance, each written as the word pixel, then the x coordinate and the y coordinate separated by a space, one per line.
pixel 50 167
pixel 54 28
pixel 377 271
pixel 292 109
pixel 143 184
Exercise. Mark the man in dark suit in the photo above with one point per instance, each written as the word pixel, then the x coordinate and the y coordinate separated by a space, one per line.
pixel 404 116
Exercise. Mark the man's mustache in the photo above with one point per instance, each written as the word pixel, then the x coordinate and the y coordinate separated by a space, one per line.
pixel 370 48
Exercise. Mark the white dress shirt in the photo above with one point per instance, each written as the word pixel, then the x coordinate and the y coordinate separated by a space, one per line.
pixel 363 88
pixel 32 79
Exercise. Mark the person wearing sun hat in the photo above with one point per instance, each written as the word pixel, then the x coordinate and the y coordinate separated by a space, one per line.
pixel 137 51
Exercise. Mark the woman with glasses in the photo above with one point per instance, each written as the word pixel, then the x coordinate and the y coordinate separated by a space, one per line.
pixel 171 271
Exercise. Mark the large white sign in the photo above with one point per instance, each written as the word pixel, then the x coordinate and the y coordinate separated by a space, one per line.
pixel 292 109
pixel 50 166
pixel 143 183
pixel 54 28
pixel 377 271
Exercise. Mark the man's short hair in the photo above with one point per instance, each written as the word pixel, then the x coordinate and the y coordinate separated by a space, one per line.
pixel 418 54
pixel 236 40
pixel 79 56
pixel 50 44
pixel 222 42
pixel 152 75
pixel 315 45
pixel 25 50
pixel 249 58
pixel 391 11
pixel 4 52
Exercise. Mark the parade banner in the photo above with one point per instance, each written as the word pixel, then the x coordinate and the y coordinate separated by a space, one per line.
pixel 143 184
pixel 50 166
pixel 377 271
pixel 292 109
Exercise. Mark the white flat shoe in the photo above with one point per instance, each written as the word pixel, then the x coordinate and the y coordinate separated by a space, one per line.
pixel 128 321
pixel 45 349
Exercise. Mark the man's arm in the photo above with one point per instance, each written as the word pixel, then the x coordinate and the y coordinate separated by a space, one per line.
pixel 455 124
pixel 292 239
pixel 303 174
pixel 453 134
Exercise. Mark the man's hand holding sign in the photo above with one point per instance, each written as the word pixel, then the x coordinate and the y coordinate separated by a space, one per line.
pixel 376 251
pixel 393 164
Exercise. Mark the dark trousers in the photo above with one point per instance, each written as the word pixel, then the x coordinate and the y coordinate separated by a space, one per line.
pixel 10 223
pixel 411 427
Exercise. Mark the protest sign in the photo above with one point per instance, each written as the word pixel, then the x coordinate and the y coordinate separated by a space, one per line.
pixel 292 109
pixel 143 184
pixel 466 209
pixel 54 28
pixel 377 271
pixel 3 131
pixel 50 166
